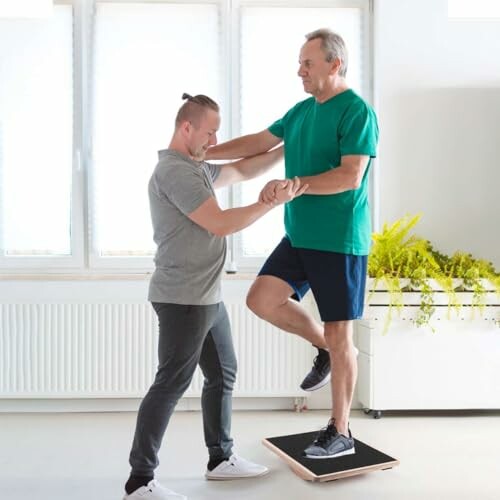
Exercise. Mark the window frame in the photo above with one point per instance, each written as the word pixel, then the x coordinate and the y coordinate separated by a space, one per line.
pixel 75 260
pixel 84 258
pixel 239 260
pixel 135 263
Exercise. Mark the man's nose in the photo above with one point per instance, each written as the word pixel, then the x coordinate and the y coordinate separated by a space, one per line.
pixel 213 140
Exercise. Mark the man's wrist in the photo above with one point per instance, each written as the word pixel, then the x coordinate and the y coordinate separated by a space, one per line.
pixel 268 206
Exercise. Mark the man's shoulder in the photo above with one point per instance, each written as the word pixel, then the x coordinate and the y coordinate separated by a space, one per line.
pixel 170 158
pixel 172 163
pixel 304 104
pixel 355 101
pixel 298 110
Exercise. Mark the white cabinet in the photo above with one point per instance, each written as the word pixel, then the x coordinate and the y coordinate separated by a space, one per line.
pixel 456 366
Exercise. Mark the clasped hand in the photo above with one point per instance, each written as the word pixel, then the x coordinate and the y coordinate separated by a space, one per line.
pixel 278 191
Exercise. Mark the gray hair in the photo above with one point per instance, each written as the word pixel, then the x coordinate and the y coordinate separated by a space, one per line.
pixel 333 46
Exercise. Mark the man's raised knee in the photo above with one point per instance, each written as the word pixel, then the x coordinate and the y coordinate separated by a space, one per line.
pixel 256 301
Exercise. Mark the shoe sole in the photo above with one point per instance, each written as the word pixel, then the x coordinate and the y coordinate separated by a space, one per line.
pixel 351 451
pixel 225 478
pixel 325 381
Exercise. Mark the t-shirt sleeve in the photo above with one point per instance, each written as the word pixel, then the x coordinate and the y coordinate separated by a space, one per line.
pixel 213 170
pixel 359 131
pixel 278 128
pixel 183 187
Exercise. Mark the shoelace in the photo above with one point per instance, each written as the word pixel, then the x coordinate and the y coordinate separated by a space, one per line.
pixel 319 361
pixel 326 434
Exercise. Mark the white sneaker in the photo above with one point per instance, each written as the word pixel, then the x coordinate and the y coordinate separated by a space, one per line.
pixel 154 491
pixel 236 468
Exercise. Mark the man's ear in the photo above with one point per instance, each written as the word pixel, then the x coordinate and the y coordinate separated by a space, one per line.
pixel 335 66
pixel 186 127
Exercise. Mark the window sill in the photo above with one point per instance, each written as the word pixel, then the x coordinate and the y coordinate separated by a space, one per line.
pixel 104 277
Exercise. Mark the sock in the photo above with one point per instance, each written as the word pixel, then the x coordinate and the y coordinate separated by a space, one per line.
pixel 135 482
pixel 321 348
pixel 214 462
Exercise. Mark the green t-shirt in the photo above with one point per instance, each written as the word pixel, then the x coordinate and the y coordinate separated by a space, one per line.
pixel 316 136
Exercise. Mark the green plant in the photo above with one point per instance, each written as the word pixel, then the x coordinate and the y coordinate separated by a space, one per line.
pixel 405 262
pixel 397 255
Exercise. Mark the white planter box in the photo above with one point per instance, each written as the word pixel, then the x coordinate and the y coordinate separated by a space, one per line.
pixel 455 367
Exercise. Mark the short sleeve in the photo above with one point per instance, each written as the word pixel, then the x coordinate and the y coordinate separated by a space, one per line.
pixel 278 128
pixel 185 188
pixel 213 170
pixel 359 131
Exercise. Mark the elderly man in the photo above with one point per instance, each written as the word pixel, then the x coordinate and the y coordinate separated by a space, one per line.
pixel 330 139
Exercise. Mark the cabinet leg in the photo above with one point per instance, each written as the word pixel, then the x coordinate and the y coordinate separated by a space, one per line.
pixel 300 405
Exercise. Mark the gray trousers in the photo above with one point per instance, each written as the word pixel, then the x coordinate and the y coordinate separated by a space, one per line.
pixel 189 335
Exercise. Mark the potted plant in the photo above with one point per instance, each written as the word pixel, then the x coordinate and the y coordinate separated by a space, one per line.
pixel 430 338
pixel 402 262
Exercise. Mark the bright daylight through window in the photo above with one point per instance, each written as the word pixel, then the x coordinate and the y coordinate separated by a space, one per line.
pixel 90 96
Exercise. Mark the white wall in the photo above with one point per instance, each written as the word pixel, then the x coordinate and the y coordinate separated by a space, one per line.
pixel 438 100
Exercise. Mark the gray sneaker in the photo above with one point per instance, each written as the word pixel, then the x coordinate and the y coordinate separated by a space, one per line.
pixel 330 444
pixel 320 372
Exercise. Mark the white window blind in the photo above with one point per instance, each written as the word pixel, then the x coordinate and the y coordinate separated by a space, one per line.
pixel 36 136
pixel 270 42
pixel 146 55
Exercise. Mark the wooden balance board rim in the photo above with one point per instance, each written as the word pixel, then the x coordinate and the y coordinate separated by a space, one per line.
pixel 307 475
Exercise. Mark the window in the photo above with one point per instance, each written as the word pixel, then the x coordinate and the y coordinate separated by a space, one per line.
pixel 90 94
pixel 36 138
pixel 478 9
pixel 143 62
pixel 270 86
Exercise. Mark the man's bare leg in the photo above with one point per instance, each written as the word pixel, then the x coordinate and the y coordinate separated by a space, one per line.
pixel 338 336
pixel 269 298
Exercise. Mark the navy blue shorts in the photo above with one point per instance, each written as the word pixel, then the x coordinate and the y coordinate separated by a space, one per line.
pixel 336 280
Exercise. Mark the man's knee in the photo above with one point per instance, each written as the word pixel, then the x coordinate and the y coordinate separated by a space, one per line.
pixel 262 300
pixel 338 334
pixel 223 378
pixel 266 294
pixel 256 300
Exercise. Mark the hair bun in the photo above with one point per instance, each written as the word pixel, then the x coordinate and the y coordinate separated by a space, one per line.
pixel 186 96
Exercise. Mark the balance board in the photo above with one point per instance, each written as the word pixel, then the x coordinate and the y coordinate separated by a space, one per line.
pixel 290 449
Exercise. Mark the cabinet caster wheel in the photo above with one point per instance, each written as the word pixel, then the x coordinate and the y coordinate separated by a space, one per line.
pixel 377 414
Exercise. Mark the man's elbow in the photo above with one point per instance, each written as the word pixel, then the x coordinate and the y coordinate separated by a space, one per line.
pixel 220 229
pixel 356 183
pixel 356 180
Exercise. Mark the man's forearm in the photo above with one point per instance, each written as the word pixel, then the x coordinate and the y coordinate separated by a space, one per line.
pixel 233 220
pixel 334 181
pixel 254 166
pixel 241 147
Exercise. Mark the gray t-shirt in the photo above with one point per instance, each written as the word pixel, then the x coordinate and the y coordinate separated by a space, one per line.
pixel 189 260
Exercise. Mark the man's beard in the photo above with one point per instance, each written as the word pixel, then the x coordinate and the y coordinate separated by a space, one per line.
pixel 198 154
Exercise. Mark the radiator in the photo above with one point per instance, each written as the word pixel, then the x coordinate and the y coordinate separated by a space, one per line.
pixel 94 350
